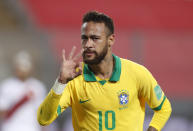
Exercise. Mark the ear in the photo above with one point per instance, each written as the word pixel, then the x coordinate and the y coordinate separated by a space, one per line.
pixel 111 40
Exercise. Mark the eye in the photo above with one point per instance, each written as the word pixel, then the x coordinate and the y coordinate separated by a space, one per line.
pixel 84 37
pixel 94 38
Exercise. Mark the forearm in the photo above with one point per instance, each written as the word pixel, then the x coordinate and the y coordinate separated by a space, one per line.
pixel 50 108
pixel 47 112
pixel 161 117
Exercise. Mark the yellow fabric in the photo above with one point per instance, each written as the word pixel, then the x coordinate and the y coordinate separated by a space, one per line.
pixel 116 106
pixel 47 110
pixel 160 117
pixel 98 78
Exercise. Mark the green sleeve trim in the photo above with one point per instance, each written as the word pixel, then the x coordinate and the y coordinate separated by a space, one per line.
pixel 160 106
pixel 59 110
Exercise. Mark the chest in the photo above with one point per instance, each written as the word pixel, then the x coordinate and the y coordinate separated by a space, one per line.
pixel 15 91
pixel 118 95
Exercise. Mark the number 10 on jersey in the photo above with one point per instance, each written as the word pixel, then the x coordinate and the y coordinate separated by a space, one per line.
pixel 109 116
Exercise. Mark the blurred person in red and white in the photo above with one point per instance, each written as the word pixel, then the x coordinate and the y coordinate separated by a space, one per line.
pixel 20 96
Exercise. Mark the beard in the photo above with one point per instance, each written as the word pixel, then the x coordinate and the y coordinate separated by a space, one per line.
pixel 98 57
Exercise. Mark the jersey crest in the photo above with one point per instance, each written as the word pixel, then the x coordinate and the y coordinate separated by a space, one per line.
pixel 123 96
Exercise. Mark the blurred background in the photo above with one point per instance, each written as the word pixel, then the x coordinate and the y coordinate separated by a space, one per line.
pixel 155 33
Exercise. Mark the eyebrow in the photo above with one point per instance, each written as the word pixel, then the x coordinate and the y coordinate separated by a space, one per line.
pixel 85 36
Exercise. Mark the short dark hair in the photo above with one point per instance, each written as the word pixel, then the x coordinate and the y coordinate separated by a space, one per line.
pixel 99 18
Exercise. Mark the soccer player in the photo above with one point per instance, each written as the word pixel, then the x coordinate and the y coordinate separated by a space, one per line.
pixel 105 92
pixel 20 96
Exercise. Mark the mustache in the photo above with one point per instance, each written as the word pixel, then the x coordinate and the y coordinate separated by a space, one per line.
pixel 89 51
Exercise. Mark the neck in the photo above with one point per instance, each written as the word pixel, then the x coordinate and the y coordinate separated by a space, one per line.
pixel 104 69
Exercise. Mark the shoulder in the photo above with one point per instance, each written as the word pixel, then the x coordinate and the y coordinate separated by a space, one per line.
pixel 131 65
pixel 9 82
pixel 11 79
pixel 134 69
pixel 36 84
pixel 9 86
pixel 35 81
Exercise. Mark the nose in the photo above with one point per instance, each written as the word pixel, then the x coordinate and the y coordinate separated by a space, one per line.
pixel 89 43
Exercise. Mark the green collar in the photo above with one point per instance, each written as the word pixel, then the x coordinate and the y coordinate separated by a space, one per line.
pixel 89 75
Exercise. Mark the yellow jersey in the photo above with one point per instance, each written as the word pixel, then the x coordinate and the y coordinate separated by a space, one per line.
pixel 117 104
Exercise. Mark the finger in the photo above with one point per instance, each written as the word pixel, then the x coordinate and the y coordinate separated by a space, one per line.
pixel 73 75
pixel 72 52
pixel 77 56
pixel 79 68
pixel 63 55
pixel 78 73
pixel 78 65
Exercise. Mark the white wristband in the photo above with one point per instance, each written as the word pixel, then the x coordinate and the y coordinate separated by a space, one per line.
pixel 58 87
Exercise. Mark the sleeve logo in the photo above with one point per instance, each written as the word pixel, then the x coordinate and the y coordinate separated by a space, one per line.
pixel 158 92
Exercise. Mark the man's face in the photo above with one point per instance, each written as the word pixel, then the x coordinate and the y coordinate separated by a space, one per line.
pixel 22 72
pixel 94 41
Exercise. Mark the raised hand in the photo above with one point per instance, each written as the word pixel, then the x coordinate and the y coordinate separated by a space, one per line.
pixel 71 67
